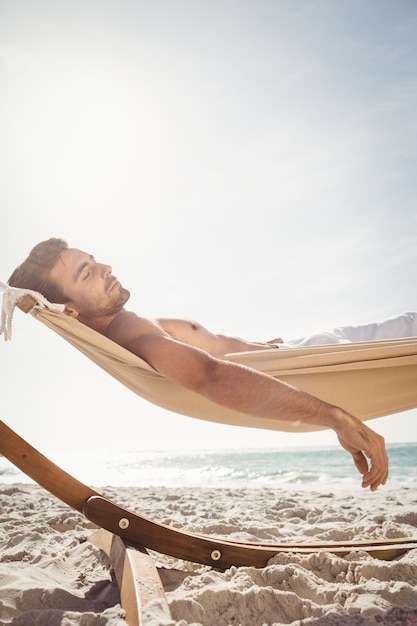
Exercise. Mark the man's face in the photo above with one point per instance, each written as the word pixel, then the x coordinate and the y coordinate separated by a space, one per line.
pixel 90 287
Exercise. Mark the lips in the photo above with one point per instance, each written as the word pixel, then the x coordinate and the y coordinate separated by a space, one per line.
pixel 114 284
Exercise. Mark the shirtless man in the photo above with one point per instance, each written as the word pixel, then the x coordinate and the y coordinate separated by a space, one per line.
pixel 184 351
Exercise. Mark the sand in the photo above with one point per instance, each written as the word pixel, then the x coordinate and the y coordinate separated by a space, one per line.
pixel 50 574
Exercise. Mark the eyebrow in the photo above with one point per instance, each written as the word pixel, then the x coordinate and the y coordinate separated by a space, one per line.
pixel 82 267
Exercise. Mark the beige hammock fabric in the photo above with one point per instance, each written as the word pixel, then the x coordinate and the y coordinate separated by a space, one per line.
pixel 369 379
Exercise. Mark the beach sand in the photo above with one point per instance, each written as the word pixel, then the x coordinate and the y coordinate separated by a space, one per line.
pixel 50 574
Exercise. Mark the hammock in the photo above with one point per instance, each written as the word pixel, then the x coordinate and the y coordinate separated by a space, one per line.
pixel 369 379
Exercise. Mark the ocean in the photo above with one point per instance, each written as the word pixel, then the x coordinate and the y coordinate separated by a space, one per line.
pixel 327 468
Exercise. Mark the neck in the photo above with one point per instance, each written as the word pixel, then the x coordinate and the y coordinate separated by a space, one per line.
pixel 99 324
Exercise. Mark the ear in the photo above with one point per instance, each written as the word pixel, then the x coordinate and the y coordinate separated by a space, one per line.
pixel 69 310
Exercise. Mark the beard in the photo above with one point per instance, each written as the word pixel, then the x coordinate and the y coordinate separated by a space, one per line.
pixel 105 305
pixel 124 295
pixel 117 300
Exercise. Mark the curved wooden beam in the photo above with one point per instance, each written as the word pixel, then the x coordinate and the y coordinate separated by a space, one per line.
pixel 141 531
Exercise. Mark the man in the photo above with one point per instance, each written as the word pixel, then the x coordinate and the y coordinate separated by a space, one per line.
pixel 184 351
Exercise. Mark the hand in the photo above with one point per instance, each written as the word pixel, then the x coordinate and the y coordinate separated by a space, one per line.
pixel 363 444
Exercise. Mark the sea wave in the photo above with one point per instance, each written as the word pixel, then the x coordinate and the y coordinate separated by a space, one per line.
pixel 311 468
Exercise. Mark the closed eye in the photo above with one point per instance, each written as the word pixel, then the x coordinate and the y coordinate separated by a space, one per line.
pixel 83 271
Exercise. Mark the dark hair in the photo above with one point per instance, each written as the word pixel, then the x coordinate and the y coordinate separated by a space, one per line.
pixel 34 272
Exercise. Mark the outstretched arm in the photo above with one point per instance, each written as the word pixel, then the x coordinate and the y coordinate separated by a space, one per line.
pixel 248 391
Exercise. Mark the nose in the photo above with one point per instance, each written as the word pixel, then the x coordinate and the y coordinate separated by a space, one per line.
pixel 106 269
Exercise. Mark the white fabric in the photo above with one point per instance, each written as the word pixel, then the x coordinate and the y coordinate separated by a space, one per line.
pixel 403 325
pixel 11 298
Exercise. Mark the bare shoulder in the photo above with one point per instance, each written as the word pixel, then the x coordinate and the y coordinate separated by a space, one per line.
pixel 128 326
pixel 171 357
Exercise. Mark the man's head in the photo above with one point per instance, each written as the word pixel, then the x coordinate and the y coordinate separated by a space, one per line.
pixel 72 277
pixel 34 272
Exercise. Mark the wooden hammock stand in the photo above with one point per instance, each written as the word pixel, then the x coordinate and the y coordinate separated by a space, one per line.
pixel 125 536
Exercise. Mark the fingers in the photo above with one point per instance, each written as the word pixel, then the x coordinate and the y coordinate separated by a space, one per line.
pixel 378 474
pixel 360 462
pixel 374 450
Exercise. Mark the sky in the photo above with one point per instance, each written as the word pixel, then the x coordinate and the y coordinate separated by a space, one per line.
pixel 248 164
